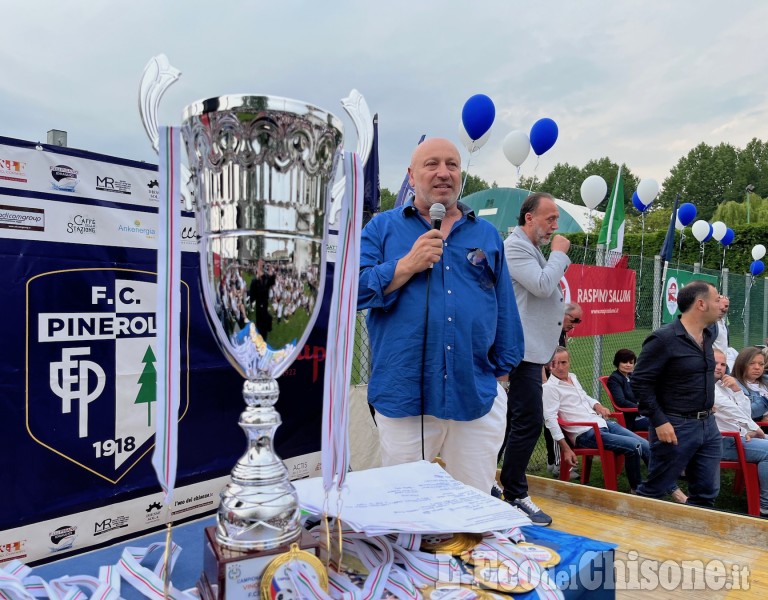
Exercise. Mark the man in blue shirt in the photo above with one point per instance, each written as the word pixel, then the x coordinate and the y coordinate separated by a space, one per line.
pixel 443 325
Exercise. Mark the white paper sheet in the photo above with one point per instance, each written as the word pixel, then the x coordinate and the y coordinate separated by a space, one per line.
pixel 417 497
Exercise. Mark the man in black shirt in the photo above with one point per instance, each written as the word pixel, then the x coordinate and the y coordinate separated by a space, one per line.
pixel 674 384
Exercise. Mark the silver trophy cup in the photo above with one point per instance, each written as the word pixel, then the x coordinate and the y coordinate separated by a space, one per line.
pixel 261 168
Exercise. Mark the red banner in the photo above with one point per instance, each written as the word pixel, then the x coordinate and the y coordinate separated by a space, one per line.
pixel 606 296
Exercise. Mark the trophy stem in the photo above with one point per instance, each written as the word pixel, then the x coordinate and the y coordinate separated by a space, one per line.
pixel 259 507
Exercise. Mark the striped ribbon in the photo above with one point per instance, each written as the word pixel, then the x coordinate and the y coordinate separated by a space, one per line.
pixel 151 582
pixel 390 567
pixel 16 583
pixel 165 456
pixel 341 329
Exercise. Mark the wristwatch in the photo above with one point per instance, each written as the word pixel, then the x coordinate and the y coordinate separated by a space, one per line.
pixel 505 385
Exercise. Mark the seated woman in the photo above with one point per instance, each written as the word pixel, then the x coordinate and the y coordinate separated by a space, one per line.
pixel 732 414
pixel 748 371
pixel 621 390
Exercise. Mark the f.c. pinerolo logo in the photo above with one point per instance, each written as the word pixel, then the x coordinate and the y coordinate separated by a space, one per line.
pixel 91 366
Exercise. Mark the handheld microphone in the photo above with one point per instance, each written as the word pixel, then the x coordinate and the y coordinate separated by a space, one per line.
pixel 436 214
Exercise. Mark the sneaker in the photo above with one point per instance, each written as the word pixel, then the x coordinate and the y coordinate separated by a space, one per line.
pixel 554 470
pixel 679 496
pixel 497 492
pixel 533 512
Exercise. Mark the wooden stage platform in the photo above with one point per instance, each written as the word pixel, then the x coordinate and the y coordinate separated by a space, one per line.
pixel 723 554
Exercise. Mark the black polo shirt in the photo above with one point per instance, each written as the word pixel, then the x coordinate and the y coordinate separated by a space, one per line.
pixel 674 374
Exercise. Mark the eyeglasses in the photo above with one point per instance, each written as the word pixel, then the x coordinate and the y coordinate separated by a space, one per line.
pixel 574 320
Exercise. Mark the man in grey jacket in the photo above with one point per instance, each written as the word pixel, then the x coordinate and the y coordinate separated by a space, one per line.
pixel 541 307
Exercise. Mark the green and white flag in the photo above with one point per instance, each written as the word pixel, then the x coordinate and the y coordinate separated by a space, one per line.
pixel 612 231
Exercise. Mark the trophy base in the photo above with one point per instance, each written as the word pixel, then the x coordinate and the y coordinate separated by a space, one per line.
pixel 236 574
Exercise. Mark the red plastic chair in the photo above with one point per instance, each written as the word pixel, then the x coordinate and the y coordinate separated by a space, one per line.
pixel 619 409
pixel 746 475
pixel 612 463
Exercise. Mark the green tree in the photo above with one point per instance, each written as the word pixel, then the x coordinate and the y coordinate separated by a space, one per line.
pixel 386 199
pixel 704 177
pixel 735 213
pixel 473 184
pixel 529 183
pixel 148 380
pixel 564 182
pixel 608 170
pixel 655 218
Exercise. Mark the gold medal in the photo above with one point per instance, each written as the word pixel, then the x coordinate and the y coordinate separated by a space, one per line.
pixel 454 592
pixel 453 544
pixel 546 557
pixel 503 578
pixel 276 580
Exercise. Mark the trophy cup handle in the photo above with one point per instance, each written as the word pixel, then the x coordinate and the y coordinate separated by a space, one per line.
pixel 158 76
pixel 357 109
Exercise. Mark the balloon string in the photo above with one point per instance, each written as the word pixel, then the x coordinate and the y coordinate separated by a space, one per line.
pixel 536 166
pixel 466 174
pixel 586 237
pixel 746 301
pixel 722 262
pixel 640 274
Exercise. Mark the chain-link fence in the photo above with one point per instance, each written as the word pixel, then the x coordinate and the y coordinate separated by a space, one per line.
pixel 592 356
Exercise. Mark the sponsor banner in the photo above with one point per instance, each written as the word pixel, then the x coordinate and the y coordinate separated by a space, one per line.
pixel 70 533
pixel 675 279
pixel 12 169
pixel 606 296
pixel 22 218
pixel 72 223
pixel 77 368
pixel 76 174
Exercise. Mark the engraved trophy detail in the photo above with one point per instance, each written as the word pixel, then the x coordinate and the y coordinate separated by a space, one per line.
pixel 261 168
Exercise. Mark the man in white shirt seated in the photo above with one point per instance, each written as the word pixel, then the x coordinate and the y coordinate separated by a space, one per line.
pixel 720 328
pixel 564 397
pixel 733 413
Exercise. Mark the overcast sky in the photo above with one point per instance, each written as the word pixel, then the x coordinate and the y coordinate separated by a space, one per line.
pixel 641 82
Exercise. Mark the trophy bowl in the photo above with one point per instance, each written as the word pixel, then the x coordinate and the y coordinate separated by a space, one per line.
pixel 261 171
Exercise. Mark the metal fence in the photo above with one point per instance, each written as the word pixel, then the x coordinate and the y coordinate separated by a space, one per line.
pixel 593 356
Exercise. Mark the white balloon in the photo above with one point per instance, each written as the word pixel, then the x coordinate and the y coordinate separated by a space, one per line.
pixel 647 190
pixel 718 230
pixel 470 144
pixel 516 147
pixel 593 190
pixel 700 229
pixel 758 252
pixel 678 225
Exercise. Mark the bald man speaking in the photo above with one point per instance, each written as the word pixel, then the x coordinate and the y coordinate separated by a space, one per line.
pixel 443 324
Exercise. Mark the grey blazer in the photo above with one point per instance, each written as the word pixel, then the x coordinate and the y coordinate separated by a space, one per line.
pixel 537 291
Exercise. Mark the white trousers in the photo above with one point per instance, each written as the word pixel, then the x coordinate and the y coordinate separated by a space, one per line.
pixel 468 448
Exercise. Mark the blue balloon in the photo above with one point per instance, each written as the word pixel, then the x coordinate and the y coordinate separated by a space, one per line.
pixel 637 204
pixel 709 235
pixel 543 135
pixel 686 213
pixel 728 237
pixel 756 268
pixel 477 116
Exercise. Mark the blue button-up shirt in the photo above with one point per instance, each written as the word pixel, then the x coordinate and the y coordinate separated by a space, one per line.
pixel 474 333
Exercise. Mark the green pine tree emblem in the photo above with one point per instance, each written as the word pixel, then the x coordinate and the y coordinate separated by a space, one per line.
pixel 148 381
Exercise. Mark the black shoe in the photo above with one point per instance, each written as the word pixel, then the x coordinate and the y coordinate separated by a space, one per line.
pixel 533 512
pixel 497 492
